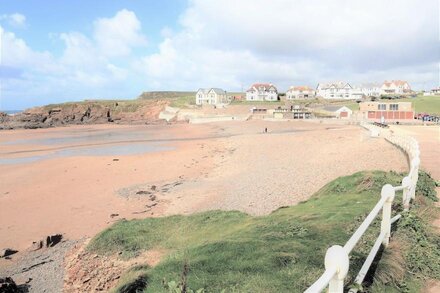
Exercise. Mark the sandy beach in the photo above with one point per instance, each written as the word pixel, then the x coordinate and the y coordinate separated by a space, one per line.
pixel 68 181
pixel 75 195
pixel 78 180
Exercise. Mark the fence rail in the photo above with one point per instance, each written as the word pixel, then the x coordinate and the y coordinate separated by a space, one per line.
pixel 337 257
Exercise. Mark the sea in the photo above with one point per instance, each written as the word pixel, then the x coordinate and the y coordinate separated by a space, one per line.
pixel 11 112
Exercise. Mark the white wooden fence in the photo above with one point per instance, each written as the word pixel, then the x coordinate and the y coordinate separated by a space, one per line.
pixel 336 258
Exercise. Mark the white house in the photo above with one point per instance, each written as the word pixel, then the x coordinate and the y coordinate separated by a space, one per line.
pixel 395 87
pixel 427 94
pixel 212 96
pixel 436 91
pixel 370 89
pixel 262 92
pixel 300 92
pixel 337 90
pixel 337 111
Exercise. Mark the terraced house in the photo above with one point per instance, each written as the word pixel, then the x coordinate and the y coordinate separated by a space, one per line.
pixel 300 92
pixel 337 90
pixel 262 92
pixel 212 96
pixel 395 87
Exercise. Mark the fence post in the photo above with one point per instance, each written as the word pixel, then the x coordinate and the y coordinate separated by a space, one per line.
pixel 388 193
pixel 336 257
pixel 415 174
pixel 406 193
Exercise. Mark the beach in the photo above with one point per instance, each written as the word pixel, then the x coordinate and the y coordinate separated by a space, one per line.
pixel 77 180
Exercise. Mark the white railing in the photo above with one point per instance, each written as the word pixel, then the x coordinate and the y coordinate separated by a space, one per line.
pixel 337 257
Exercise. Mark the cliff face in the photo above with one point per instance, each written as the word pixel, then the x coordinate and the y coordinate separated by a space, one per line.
pixel 93 112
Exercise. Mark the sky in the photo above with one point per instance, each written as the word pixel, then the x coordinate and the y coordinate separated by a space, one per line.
pixel 57 51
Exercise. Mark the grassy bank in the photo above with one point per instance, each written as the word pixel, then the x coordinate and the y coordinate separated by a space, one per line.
pixel 232 251
pixel 422 104
pixel 183 101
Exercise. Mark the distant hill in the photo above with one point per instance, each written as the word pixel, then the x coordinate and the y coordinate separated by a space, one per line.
pixel 159 95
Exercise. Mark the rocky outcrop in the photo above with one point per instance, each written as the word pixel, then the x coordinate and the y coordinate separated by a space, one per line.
pixel 89 112
pixel 4 253
pixel 50 241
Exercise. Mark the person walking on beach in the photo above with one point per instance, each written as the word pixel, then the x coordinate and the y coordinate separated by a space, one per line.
pixel 265 130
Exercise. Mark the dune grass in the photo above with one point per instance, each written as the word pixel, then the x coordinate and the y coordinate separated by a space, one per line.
pixel 235 252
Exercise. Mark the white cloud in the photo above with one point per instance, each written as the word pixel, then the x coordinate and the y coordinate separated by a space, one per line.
pixel 85 61
pixel 16 19
pixel 230 43
pixel 116 36
pixel 16 53
pixel 85 68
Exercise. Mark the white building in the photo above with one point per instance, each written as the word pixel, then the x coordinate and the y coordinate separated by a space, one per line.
pixel 337 90
pixel 262 92
pixel 370 89
pixel 212 96
pixel 300 92
pixel 433 92
pixel 395 87
pixel 337 111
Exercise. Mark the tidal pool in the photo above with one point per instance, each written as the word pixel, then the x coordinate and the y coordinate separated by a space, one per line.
pixel 99 150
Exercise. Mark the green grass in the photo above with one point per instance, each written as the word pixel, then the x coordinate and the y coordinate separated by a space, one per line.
pixel 415 251
pixel 352 106
pixel 183 101
pixel 113 105
pixel 178 99
pixel 232 251
pixel 428 104
pixel 163 95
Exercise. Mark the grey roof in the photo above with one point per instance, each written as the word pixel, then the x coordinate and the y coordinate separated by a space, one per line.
pixel 370 85
pixel 218 91
pixel 338 85
pixel 332 108
pixel 205 91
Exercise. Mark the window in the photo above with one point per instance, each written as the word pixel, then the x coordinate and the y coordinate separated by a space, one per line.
pixel 381 107
pixel 394 107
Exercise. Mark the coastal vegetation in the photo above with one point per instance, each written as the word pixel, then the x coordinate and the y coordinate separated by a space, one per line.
pixel 283 251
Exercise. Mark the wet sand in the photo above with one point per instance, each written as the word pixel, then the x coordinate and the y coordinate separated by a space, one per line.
pixel 76 194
